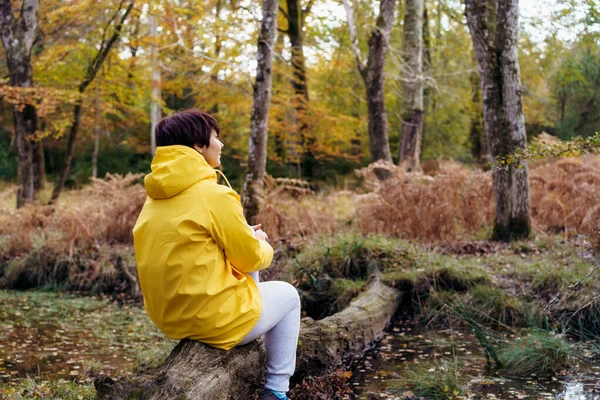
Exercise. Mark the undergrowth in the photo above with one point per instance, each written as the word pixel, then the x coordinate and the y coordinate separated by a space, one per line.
pixel 443 381
pixel 540 353
pixel 83 243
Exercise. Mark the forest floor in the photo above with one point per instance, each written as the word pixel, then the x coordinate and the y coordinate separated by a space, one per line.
pixel 494 296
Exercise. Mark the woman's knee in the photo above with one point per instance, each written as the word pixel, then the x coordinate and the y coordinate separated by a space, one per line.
pixel 292 293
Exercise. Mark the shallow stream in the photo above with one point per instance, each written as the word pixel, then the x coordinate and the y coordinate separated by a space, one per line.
pixel 387 370
pixel 51 336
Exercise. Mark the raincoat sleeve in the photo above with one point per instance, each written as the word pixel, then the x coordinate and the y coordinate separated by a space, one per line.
pixel 231 232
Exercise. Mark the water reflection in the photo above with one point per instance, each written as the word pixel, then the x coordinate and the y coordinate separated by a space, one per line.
pixel 385 373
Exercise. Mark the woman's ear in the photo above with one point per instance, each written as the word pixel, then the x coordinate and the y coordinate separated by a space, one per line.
pixel 198 148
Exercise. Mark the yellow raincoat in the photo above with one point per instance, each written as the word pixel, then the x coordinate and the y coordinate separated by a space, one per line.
pixel 193 249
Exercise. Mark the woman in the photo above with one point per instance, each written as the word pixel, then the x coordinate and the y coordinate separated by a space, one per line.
pixel 198 260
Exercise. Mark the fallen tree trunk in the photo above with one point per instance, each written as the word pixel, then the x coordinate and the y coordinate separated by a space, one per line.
pixel 197 371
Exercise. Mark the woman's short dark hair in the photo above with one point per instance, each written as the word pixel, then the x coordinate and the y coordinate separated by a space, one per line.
pixel 187 128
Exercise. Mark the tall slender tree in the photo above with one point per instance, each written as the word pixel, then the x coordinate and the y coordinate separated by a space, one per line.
pixel 494 29
pixel 257 144
pixel 155 105
pixel 374 76
pixel 92 70
pixel 412 86
pixel 18 35
pixel 296 16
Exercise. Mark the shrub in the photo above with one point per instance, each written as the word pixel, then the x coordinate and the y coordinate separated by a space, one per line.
pixel 66 246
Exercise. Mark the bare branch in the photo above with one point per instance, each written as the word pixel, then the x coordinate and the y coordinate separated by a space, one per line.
pixel 306 10
pixel 353 36
pixel 110 21
pixel 285 14
pixel 94 66
pixel 573 286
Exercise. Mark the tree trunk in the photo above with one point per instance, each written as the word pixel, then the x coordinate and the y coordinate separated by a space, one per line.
pixel 196 371
pixel 18 35
pixel 257 144
pixel 92 70
pixel 39 160
pixel 477 134
pixel 373 74
pixel 494 30
pixel 214 76
pixel 295 17
pixel 96 136
pixel 412 86
pixel 155 110
pixel 427 65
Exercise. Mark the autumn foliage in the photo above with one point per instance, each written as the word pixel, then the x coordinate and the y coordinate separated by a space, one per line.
pixel 81 244
pixel 451 202
pixel 81 241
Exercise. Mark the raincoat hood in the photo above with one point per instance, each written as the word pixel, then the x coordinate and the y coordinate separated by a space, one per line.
pixel 174 169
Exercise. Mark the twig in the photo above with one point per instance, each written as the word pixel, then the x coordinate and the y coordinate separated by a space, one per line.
pixel 597 267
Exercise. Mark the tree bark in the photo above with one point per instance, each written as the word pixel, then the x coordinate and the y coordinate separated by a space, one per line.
pixel 412 86
pixel 295 17
pixel 196 371
pixel 477 134
pixel 96 135
pixel 257 144
pixel 427 66
pixel 494 30
pixel 18 35
pixel 155 109
pixel 93 68
pixel 373 74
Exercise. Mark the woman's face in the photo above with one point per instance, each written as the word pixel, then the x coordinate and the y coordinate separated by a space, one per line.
pixel 212 152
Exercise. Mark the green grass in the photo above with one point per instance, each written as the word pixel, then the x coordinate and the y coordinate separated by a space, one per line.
pixel 59 390
pixel 443 381
pixel 541 353
pixel 330 271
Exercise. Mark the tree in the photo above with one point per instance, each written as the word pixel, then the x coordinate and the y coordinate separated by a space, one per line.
pixel 295 17
pixel 257 144
pixel 476 134
pixel 373 75
pixel 18 36
pixel 155 111
pixel 494 30
pixel 412 86
pixel 92 70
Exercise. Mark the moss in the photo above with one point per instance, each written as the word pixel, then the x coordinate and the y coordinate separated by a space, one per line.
pixel 333 270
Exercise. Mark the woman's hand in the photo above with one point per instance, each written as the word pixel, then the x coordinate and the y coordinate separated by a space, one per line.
pixel 259 233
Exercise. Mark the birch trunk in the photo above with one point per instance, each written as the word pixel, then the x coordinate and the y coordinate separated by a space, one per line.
pixel 412 86
pixel 18 35
pixel 257 144
pixel 155 109
pixel 373 74
pixel 494 30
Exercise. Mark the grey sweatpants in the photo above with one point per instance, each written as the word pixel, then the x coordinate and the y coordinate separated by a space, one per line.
pixel 280 325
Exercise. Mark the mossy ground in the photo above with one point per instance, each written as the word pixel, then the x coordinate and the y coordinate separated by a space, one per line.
pixel 520 301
